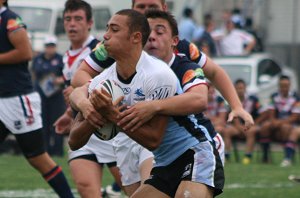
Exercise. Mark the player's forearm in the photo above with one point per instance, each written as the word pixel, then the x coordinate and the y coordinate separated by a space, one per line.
pixel 223 83
pixel 80 133
pixel 183 104
pixel 78 97
pixel 83 75
pixel 15 56
pixel 150 134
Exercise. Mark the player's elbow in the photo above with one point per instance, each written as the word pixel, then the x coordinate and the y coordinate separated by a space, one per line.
pixel 74 145
pixel 198 105
pixel 153 143
pixel 26 55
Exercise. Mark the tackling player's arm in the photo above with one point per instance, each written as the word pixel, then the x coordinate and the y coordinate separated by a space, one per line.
pixel 190 102
pixel 222 82
pixel 83 75
pixel 22 49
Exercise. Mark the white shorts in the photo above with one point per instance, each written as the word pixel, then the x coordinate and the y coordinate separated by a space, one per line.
pixel 220 146
pixel 103 150
pixel 21 114
pixel 130 155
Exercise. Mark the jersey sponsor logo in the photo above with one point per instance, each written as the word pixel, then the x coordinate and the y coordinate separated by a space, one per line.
pixel 139 95
pixel 187 170
pixel 192 74
pixel 18 124
pixel 161 92
pixel 194 51
pixel 126 90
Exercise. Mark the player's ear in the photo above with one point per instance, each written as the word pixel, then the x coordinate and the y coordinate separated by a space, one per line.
pixel 137 37
pixel 175 41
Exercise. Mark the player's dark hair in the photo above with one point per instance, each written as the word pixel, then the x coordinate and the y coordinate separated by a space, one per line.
pixel 74 5
pixel 154 14
pixel 284 77
pixel 238 81
pixel 163 2
pixel 136 22
pixel 5 3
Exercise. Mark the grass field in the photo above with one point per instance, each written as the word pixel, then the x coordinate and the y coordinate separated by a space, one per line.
pixel 256 180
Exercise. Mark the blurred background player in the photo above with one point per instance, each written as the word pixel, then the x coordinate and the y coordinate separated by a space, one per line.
pixel 48 81
pixel 20 105
pixel 86 163
pixel 290 146
pixel 236 129
pixel 284 111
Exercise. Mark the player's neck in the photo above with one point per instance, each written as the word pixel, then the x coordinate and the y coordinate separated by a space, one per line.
pixel 126 65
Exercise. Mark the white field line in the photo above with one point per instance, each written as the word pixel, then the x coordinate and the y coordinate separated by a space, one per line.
pixel 260 185
pixel 48 193
pixel 40 193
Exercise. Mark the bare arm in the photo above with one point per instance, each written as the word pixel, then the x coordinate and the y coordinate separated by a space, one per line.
pixel 80 102
pixel 222 82
pixel 149 135
pixel 192 101
pixel 80 132
pixel 83 75
pixel 22 51
pixel 250 46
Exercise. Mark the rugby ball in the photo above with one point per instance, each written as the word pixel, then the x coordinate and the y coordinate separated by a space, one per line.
pixel 109 130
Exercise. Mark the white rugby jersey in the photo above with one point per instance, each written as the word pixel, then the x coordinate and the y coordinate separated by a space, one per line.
pixel 73 58
pixel 153 80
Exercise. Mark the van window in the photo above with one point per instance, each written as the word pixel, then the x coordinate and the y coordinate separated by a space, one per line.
pixel 36 19
pixel 268 67
pixel 59 25
pixel 101 17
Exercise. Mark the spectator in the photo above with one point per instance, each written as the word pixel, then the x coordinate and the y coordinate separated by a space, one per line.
pixel 290 146
pixel 250 104
pixel 238 18
pixel 206 43
pixel 234 41
pixel 284 111
pixel 47 71
pixel 259 47
pixel 187 25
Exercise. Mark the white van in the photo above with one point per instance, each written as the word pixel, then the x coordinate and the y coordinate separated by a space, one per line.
pixel 45 18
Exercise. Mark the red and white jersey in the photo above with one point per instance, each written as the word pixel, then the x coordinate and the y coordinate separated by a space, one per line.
pixel 73 58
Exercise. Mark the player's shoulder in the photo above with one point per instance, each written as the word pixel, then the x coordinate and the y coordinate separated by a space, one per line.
pixel 9 14
pixel 93 43
pixel 152 64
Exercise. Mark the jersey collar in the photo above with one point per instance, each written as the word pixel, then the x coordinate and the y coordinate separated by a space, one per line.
pixel 2 9
pixel 172 60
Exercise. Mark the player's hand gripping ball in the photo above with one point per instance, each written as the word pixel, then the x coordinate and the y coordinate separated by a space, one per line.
pixel 109 130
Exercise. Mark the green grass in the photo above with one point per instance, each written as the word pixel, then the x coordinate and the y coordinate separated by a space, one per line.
pixel 253 180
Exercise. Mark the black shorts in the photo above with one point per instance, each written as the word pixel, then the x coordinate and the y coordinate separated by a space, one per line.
pixel 32 143
pixel 167 178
